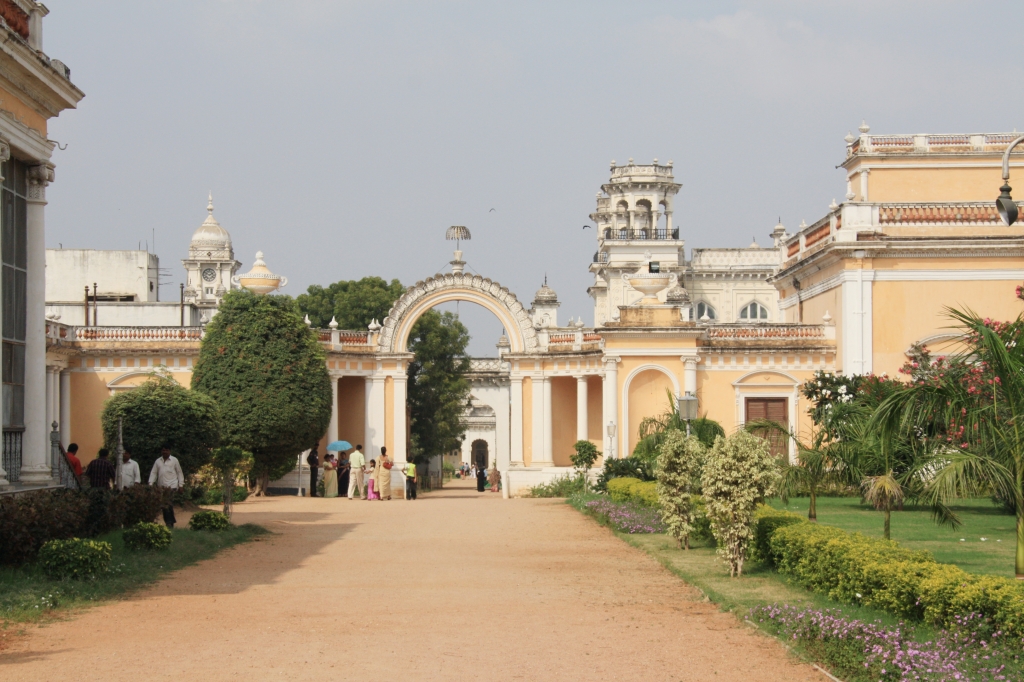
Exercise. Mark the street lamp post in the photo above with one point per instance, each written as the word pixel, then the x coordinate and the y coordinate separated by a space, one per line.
pixel 1005 203
pixel 611 440
pixel 686 404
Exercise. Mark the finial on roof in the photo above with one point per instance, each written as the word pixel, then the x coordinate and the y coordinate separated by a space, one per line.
pixel 833 206
pixel 803 224
pixel 849 138
pixel 655 162
pixel 631 161
pixel 864 128
pixel 209 206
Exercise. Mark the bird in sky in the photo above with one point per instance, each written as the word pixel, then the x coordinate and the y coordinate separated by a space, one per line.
pixel 491 211
pixel 586 226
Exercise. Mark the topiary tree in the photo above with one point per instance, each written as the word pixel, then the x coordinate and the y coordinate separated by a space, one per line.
pixel 740 471
pixel 680 460
pixel 158 412
pixel 268 373
pixel 228 460
pixel 584 455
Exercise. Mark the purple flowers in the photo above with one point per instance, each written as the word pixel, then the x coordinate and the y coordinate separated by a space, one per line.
pixel 625 517
pixel 970 650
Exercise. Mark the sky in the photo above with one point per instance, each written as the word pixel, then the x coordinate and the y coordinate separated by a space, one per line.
pixel 342 138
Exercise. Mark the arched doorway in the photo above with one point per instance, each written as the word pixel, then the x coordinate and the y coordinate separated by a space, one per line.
pixel 480 454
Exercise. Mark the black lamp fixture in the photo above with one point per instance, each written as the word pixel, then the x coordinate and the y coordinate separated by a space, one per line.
pixel 1005 204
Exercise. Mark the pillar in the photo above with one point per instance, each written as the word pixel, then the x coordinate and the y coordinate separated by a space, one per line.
pixel 65 408
pixel 35 463
pixel 549 441
pixel 610 388
pixel 400 427
pixel 516 419
pixel 689 375
pixel 332 428
pixel 51 390
pixel 374 438
pixel 537 421
pixel 582 426
pixel 864 184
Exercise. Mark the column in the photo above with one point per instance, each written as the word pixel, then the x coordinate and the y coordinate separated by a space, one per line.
pixel 332 428
pixel 582 426
pixel 537 421
pixel 549 459
pixel 400 427
pixel 51 390
pixel 35 463
pixel 516 419
pixel 610 388
pixel 864 184
pixel 65 408
pixel 689 375
pixel 374 416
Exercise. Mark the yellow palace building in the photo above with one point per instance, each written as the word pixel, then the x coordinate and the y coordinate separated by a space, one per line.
pixel 739 329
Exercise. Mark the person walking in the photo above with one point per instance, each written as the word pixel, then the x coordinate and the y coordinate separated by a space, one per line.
pixel 100 471
pixel 167 473
pixel 129 471
pixel 357 466
pixel 481 479
pixel 494 478
pixel 330 476
pixel 384 466
pixel 344 473
pixel 313 460
pixel 410 480
pixel 76 464
pixel 371 492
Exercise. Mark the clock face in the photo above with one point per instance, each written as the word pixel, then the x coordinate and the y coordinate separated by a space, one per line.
pixel 209 274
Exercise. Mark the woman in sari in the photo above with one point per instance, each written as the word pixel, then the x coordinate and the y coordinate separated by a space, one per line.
pixel 384 475
pixel 371 483
pixel 330 477
pixel 494 478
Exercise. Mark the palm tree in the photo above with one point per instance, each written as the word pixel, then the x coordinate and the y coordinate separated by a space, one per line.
pixel 653 429
pixel 968 416
pixel 822 460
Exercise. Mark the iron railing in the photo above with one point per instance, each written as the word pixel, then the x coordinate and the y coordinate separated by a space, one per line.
pixel 13 439
pixel 624 234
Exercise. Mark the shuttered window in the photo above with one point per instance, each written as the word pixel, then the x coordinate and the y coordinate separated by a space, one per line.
pixel 774 409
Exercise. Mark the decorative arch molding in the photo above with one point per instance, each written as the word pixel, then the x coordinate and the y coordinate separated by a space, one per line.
pixel 123 382
pixel 424 295
pixel 624 433
pixel 941 337
pixel 742 381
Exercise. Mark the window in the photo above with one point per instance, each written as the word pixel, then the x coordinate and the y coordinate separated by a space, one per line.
pixel 209 291
pixel 772 409
pixel 701 310
pixel 14 256
pixel 753 311
pixel 654 267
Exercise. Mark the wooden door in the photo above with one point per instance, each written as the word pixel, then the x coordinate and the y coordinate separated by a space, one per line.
pixel 773 409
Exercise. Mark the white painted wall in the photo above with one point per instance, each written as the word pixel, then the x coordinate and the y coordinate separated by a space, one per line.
pixel 69 271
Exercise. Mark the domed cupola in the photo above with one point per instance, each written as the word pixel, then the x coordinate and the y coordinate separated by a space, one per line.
pixel 210 264
pixel 545 307
pixel 210 240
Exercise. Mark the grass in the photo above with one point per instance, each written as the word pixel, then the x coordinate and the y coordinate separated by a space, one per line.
pixel 26 595
pixel 915 529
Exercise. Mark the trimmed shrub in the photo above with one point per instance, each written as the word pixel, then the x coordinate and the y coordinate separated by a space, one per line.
pixel 627 467
pixel 634 490
pixel 565 485
pixel 852 568
pixel 75 559
pixel 209 520
pixel 28 521
pixel 147 536
pixel 766 521
pixel 239 494
pixel 141 504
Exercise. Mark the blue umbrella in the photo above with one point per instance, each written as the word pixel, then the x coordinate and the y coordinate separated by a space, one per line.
pixel 339 446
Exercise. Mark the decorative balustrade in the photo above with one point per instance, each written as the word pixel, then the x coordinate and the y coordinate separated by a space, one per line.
pixel 995 142
pixel 591 337
pixel 12 454
pixel 973 213
pixel 781 332
pixel 486 365
pixel 623 234
pixel 137 333
pixel 556 339
pixel 619 172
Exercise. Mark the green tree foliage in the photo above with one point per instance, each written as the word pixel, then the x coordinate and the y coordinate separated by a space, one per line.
pixel 583 457
pixel 653 430
pixel 268 373
pixel 739 473
pixel 680 461
pixel 438 388
pixel 353 303
pixel 967 414
pixel 163 412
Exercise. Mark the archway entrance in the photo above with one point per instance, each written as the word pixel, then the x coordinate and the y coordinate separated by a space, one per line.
pixel 480 454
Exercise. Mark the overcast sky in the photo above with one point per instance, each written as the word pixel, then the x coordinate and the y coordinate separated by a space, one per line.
pixel 343 138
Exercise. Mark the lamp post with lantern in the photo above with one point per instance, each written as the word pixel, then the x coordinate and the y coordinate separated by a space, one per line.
pixel 1005 204
pixel 686 405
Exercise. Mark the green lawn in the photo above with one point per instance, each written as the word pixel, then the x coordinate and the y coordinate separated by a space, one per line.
pixel 914 528
pixel 27 595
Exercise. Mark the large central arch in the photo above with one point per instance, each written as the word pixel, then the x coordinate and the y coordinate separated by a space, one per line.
pixel 417 299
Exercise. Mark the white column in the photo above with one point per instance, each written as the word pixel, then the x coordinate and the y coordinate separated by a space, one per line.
pixel 65 408
pixel 400 392
pixel 537 421
pixel 516 425
pixel 35 463
pixel 51 390
pixel 374 416
pixel 610 389
pixel 582 430
pixel 864 184
pixel 332 428
pixel 549 459
pixel 857 344
pixel 689 375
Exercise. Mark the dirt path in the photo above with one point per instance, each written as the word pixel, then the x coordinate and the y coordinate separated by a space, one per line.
pixel 455 586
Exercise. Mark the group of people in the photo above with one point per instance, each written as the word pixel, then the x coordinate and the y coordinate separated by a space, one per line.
pixel 482 476
pixel 347 472
pixel 102 473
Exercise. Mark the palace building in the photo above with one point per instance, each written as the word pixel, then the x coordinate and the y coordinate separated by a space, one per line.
pixel 739 329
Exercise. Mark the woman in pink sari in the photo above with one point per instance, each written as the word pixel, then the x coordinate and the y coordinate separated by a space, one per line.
pixel 371 484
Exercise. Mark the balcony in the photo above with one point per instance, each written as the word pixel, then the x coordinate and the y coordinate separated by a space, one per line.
pixel 612 234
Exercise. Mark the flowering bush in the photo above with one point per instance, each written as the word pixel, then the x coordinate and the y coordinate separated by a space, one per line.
pixel 858 650
pixel 828 388
pixel 624 517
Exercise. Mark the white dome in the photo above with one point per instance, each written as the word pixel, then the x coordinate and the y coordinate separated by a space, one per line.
pixel 210 236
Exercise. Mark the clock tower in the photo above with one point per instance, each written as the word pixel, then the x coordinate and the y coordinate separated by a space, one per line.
pixel 210 264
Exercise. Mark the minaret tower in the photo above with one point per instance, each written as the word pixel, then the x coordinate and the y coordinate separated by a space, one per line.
pixel 210 264
pixel 634 225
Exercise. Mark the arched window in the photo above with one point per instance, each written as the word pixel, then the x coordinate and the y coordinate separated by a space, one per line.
pixel 701 310
pixel 753 311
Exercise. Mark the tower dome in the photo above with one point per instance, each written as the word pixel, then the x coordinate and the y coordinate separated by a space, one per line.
pixel 210 240
pixel 545 294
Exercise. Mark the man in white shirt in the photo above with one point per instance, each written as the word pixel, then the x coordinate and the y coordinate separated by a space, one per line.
pixel 357 462
pixel 167 473
pixel 129 471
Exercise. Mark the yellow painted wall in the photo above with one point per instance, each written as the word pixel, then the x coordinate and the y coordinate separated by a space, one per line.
pixel 563 419
pixel 933 184
pixel 527 421
pixel 647 398
pixel 352 410
pixel 389 418
pixel 13 104
pixel 595 413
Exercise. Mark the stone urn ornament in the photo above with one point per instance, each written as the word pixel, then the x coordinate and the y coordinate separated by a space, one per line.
pixel 649 283
pixel 260 280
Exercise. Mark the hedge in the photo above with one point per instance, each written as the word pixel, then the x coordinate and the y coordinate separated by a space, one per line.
pixel 209 520
pixel 633 490
pixel 853 568
pixel 766 521
pixel 74 559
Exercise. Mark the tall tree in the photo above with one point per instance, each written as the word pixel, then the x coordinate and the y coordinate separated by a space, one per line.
pixel 680 462
pixel 438 388
pixel 353 303
pixel 268 373
pixel 163 412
